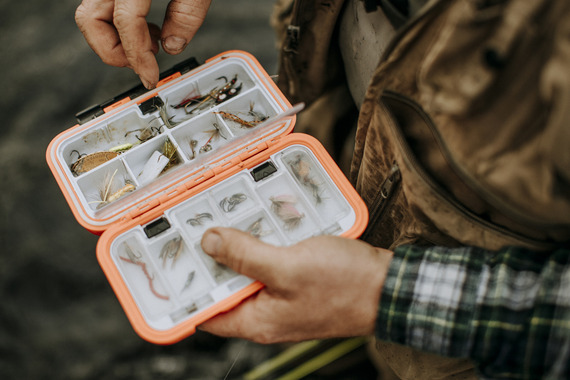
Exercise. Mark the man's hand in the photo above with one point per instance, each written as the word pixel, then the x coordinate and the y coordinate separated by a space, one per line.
pixel 322 287
pixel 118 32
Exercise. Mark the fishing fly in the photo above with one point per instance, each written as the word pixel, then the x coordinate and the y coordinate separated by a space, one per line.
pixel 228 204
pixel 256 229
pixel 215 134
pixel 199 219
pixel 301 168
pixel 214 96
pixel 145 134
pixel 193 144
pixel 136 259
pixel 256 117
pixel 284 208
pixel 169 151
pixel 189 281
pixel 109 193
pixel 171 251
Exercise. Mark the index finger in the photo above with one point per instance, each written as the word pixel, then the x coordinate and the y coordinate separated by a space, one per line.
pixel 129 18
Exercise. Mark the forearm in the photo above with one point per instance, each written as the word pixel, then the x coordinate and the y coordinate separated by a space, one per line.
pixel 509 311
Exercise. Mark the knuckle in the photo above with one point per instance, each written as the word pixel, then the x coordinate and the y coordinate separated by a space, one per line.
pixel 121 17
pixel 126 14
pixel 80 15
pixel 185 13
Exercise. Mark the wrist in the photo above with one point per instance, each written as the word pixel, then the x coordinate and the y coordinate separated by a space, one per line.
pixel 383 259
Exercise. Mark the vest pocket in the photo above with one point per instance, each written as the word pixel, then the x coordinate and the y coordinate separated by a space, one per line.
pixel 430 200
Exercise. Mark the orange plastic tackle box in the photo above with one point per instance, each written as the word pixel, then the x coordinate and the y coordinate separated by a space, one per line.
pixel 210 146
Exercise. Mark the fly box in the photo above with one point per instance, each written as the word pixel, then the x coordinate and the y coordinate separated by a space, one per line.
pixel 151 171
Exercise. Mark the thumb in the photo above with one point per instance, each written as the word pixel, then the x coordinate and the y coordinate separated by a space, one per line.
pixel 182 20
pixel 243 253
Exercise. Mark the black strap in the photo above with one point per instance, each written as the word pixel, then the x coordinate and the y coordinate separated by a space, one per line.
pixel 397 11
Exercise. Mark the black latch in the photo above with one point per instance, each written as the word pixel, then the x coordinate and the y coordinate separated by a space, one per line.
pixel 156 227
pixel 263 171
pixel 151 105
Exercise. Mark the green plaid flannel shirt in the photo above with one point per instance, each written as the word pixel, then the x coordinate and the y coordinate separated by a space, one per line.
pixel 509 311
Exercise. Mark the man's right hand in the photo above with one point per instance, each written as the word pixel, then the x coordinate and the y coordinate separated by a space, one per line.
pixel 118 32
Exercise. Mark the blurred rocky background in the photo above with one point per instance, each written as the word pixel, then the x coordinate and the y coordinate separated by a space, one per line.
pixel 59 318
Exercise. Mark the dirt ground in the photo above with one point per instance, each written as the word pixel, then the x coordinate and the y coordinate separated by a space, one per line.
pixel 59 318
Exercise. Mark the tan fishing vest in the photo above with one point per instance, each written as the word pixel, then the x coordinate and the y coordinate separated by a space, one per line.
pixel 464 134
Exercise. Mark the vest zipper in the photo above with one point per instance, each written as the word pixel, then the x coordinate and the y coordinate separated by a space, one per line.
pixel 388 189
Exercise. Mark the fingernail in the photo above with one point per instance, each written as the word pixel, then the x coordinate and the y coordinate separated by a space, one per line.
pixel 211 242
pixel 146 83
pixel 174 44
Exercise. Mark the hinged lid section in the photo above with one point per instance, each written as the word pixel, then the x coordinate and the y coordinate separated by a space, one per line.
pixel 136 152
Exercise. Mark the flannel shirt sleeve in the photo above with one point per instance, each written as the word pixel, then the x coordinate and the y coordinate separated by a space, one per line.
pixel 509 311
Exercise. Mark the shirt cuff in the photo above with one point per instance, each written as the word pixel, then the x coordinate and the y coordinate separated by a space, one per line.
pixel 429 299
